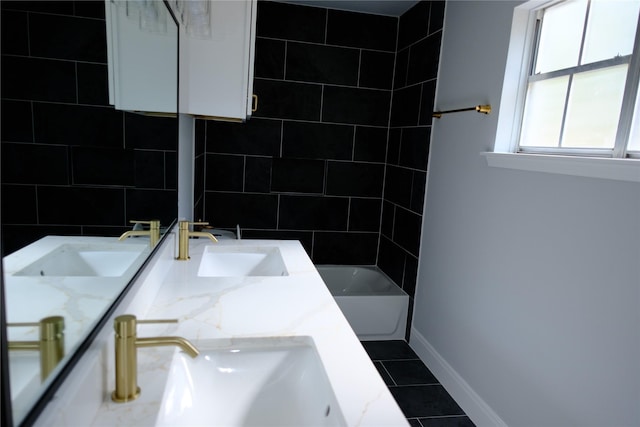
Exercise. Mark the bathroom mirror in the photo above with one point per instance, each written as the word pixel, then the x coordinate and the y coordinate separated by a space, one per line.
pixel 75 171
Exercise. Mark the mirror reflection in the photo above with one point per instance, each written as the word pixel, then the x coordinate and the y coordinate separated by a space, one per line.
pixel 75 171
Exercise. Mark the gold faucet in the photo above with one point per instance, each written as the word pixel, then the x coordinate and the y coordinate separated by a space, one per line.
pixel 50 343
pixel 153 232
pixel 183 238
pixel 127 343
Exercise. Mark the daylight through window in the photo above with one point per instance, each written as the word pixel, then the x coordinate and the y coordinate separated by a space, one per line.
pixel 582 87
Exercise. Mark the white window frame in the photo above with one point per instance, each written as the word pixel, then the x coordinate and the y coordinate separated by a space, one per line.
pixel 505 154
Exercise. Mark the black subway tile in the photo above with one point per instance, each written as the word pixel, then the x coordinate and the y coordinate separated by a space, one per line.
pixel 85 205
pixel 248 210
pixel 103 166
pixel 16 121
pixel 93 85
pixel 345 248
pixel 143 204
pixel 414 147
pixel 370 144
pixel 417 191
pixel 254 137
pixel 170 170
pixel 322 64
pixel 269 58
pixel 34 164
pixel 19 204
pixel 38 79
pixel 291 22
pixel 406 232
pixel 361 30
pixel 398 185
pixel 224 172
pixel 77 125
pixel 313 213
pixel 406 106
pixel 200 136
pixel 414 24
pixel 156 133
pixel 89 9
pixel 364 214
pixel 450 421
pixel 426 102
pixel 376 69
pixel 305 237
pixel 317 140
pixel 288 100
pixel 149 169
pixel 410 277
pixel 391 260
pixel 436 15
pixel 15 237
pixel 400 73
pixel 15 37
pixel 56 7
pixel 423 59
pixel 297 176
pixel 356 106
pixel 388 216
pixel 198 179
pixel 257 176
pixel 393 150
pixel 355 179
pixel 65 37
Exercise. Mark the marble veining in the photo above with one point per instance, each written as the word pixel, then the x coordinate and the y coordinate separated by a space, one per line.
pixel 241 307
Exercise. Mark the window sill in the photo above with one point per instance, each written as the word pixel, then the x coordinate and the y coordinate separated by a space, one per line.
pixel 617 169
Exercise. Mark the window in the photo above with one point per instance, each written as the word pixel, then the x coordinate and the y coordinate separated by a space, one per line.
pixel 582 80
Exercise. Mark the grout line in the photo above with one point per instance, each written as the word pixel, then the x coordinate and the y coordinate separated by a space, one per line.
pixel 389 373
pixel 327 44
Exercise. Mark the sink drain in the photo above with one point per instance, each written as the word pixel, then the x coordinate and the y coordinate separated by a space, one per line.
pixel 327 411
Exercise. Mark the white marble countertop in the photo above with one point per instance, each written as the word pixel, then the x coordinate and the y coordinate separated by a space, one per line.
pixel 80 300
pixel 295 305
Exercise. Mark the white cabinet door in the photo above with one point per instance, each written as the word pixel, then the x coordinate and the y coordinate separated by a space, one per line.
pixel 216 73
pixel 142 57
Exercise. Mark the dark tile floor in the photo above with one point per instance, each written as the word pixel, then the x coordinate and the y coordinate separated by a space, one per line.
pixel 423 400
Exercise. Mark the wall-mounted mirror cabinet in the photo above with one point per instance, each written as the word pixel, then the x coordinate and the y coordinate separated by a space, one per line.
pixel 75 171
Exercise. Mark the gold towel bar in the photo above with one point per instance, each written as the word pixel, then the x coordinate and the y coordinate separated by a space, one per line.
pixel 485 109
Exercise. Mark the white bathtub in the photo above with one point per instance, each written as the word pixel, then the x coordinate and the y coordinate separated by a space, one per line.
pixel 374 305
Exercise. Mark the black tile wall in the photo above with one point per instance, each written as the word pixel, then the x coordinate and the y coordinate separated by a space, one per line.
pixel 337 153
pixel 362 30
pixel 418 50
pixel 322 64
pixel 291 22
pixel 314 153
pixel 72 164
pixel 317 140
pixel 354 105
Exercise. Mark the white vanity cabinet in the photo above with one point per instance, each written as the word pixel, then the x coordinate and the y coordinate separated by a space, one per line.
pixel 216 73
pixel 142 50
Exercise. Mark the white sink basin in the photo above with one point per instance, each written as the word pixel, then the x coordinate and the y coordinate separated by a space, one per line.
pixel 263 382
pixel 84 260
pixel 227 261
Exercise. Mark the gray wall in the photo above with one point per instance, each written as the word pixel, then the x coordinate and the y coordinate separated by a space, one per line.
pixel 528 298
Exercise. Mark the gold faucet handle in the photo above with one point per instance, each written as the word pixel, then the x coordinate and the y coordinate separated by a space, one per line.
pixel 54 324
pixel 22 324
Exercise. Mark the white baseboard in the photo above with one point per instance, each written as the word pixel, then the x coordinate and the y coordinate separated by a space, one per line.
pixel 473 405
